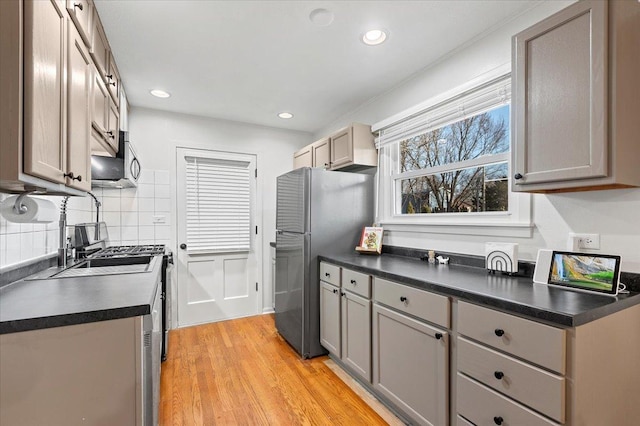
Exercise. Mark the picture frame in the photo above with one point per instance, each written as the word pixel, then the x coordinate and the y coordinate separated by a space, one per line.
pixel 371 240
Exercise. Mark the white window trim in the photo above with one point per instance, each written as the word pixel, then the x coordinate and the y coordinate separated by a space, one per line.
pixel 514 223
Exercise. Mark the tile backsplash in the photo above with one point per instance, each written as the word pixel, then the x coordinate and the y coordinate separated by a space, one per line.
pixel 139 215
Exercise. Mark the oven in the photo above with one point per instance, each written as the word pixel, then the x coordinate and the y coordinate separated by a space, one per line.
pixel 167 266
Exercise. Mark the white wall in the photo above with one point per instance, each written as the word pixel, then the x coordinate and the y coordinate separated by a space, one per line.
pixel 612 214
pixel 156 135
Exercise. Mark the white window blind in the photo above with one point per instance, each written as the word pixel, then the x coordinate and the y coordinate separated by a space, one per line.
pixel 464 105
pixel 218 205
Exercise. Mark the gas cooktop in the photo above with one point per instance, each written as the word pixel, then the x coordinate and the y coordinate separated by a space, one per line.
pixel 123 251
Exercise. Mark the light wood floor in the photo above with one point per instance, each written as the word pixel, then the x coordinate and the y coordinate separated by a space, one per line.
pixel 241 372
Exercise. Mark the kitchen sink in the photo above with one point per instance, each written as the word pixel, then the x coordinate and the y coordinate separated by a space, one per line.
pixel 101 266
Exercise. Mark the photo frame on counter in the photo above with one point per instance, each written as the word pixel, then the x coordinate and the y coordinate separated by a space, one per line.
pixel 371 240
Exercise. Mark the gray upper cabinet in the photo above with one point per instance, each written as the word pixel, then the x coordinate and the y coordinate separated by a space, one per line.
pixel 574 75
pixel 321 153
pixel 353 148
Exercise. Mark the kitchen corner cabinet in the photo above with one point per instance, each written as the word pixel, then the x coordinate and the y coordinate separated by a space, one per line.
pixel 575 99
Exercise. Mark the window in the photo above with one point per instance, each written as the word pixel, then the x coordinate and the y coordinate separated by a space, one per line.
pixel 448 164
pixel 218 199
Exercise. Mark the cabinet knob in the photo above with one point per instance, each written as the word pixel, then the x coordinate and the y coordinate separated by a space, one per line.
pixel 342 293
pixel 438 336
pixel 498 420
pixel 499 332
pixel 109 76
pixel 403 299
pixel 78 178
pixel 183 246
pixel 111 135
pixel 78 5
pixel 113 84
pixel 498 375
pixel 326 274
pixel 69 175
pixel 353 282
pixel 517 176
pixel 335 290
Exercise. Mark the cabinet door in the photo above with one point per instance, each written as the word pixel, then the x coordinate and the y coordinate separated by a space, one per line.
pixel 113 80
pixel 411 366
pixel 321 153
pixel 341 147
pixel 99 45
pixel 99 104
pixel 303 158
pixel 81 13
pixel 560 97
pixel 79 76
pixel 356 334
pixel 330 317
pixel 112 125
pixel 45 89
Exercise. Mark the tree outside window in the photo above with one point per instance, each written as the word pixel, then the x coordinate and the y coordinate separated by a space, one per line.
pixel 449 183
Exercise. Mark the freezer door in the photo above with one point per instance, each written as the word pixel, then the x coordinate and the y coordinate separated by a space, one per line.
pixel 292 212
pixel 291 274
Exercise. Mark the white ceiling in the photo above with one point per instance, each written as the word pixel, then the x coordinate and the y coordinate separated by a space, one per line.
pixel 248 60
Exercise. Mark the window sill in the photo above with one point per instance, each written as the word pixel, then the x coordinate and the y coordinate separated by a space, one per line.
pixel 519 230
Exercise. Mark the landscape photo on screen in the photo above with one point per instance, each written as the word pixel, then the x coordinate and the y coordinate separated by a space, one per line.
pixel 588 272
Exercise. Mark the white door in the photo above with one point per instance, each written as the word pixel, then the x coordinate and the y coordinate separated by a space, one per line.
pixel 218 246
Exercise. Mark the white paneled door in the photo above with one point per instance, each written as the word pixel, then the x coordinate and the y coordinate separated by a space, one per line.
pixel 218 245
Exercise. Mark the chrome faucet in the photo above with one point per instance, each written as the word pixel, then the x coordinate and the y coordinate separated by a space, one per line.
pixel 98 204
pixel 63 249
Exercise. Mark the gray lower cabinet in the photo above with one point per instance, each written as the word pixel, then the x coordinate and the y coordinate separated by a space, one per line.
pixel 356 334
pixel 411 366
pixel 330 318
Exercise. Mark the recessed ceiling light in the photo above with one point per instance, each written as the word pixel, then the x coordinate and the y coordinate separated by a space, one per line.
pixel 374 37
pixel 321 17
pixel 160 93
pixel 285 115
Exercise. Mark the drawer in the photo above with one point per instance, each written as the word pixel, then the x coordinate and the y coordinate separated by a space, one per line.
pixel 539 343
pixel 422 304
pixel 534 387
pixel 356 282
pixel 483 406
pixel 330 273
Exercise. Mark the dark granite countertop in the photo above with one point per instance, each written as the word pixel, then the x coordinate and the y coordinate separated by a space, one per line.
pixel 516 295
pixel 31 305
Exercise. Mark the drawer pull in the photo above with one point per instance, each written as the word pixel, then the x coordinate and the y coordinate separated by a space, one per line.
pixel 335 290
pixel 498 375
pixel 438 336
pixel 403 299
pixel 326 274
pixel 353 282
pixel 499 332
pixel 498 420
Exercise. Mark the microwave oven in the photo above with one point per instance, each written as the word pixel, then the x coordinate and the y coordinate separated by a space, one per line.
pixel 123 171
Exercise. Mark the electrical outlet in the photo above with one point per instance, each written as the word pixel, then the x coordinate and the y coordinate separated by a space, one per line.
pixel 585 241
pixel 159 219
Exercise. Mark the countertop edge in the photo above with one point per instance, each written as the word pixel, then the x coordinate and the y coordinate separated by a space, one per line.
pixel 41 323
pixel 545 315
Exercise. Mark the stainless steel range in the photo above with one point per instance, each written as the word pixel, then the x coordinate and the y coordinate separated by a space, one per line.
pixel 167 262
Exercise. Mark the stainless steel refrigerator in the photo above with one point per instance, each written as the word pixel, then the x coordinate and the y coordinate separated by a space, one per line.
pixel 318 212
